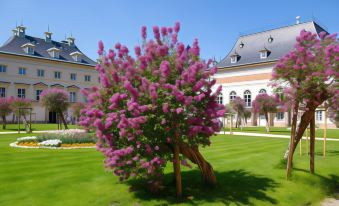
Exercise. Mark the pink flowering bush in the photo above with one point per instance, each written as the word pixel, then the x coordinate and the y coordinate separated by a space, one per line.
pixel 309 77
pixel 55 100
pixel 265 104
pixel 5 109
pixel 150 108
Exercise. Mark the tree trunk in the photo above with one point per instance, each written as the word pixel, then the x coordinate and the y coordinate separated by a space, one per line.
pixel 63 119
pixel 292 141
pixel 176 166
pixel 3 122
pixel 312 139
pixel 195 156
pixel 27 128
pixel 267 123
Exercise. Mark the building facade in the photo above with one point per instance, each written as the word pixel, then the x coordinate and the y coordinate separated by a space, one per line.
pixel 247 69
pixel 28 65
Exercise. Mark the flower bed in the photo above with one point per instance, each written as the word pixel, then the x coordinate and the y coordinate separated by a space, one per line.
pixel 58 140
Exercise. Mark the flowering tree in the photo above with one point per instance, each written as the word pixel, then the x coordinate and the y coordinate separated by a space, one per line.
pixel 154 108
pixel 55 100
pixel 265 104
pixel 21 107
pixel 76 108
pixel 5 109
pixel 309 75
pixel 238 105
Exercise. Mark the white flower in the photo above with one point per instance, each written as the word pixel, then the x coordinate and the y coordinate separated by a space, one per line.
pixel 51 143
pixel 27 138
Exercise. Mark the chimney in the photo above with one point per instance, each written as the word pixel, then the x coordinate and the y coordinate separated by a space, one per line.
pixel 15 32
pixel 48 35
pixel 71 41
pixel 297 20
pixel 21 31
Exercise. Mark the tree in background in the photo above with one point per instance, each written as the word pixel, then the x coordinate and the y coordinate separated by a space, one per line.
pixel 247 115
pixel 21 108
pixel 76 108
pixel 264 104
pixel 56 100
pixel 153 109
pixel 309 75
pixel 238 105
pixel 5 109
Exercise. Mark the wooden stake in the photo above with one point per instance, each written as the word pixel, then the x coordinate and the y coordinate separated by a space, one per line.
pixel 19 122
pixel 325 128
pixel 231 124
pixel 300 152
pixel 307 141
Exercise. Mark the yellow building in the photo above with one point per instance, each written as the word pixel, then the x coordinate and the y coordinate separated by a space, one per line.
pixel 29 65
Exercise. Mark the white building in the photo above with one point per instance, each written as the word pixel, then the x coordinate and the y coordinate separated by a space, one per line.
pixel 247 68
pixel 29 65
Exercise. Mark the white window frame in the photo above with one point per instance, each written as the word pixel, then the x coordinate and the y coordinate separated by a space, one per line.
pixel 3 68
pixel 233 95
pixel 72 96
pixel 87 78
pixel 280 116
pixel 220 99
pixel 262 91
pixel 234 59
pixel 57 75
pixel 263 54
pixel 22 93
pixel 248 98
pixel 37 94
pixel 41 73
pixel 2 92
pixel 22 71
pixel 73 76
pixel 319 115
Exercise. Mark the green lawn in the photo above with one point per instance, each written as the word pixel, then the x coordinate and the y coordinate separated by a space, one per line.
pixel 330 133
pixel 35 127
pixel 247 169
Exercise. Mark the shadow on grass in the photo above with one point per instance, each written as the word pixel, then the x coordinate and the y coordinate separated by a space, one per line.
pixel 233 187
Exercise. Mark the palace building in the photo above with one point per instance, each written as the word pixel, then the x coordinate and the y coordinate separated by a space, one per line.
pixel 246 70
pixel 29 65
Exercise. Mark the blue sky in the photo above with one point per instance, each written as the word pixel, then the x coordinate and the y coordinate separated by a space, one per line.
pixel 216 24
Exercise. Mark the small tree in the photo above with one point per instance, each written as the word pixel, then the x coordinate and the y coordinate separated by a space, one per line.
pixel 21 107
pixel 265 104
pixel 56 100
pixel 247 115
pixel 5 109
pixel 309 75
pixel 76 108
pixel 238 105
pixel 151 109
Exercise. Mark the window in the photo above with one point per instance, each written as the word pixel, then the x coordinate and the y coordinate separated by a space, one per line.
pixel 37 94
pixel 40 73
pixel 233 95
pixel 247 98
pixel 22 71
pixel 2 92
pixel 73 76
pixel 220 99
pixel 270 39
pixel 22 93
pixel 280 115
pixel 87 78
pixel 72 97
pixel 263 54
pixel 319 115
pixel 57 75
pixel 30 50
pixel 234 59
pixel 3 68
pixel 262 91
pixel 241 45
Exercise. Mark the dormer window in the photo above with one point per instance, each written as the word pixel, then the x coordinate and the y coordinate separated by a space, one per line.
pixel 54 52
pixel 264 53
pixel 241 45
pixel 28 48
pixel 270 39
pixel 76 56
pixel 234 57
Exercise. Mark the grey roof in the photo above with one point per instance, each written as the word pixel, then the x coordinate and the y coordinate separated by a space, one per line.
pixel 284 39
pixel 14 43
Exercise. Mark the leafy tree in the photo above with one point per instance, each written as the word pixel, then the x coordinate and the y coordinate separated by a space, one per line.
pixel 238 105
pixel 76 108
pixel 56 100
pixel 309 75
pixel 247 115
pixel 5 109
pixel 154 108
pixel 265 104
pixel 23 105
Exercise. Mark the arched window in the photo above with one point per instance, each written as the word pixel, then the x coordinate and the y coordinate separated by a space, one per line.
pixel 262 91
pixel 233 95
pixel 247 98
pixel 220 99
